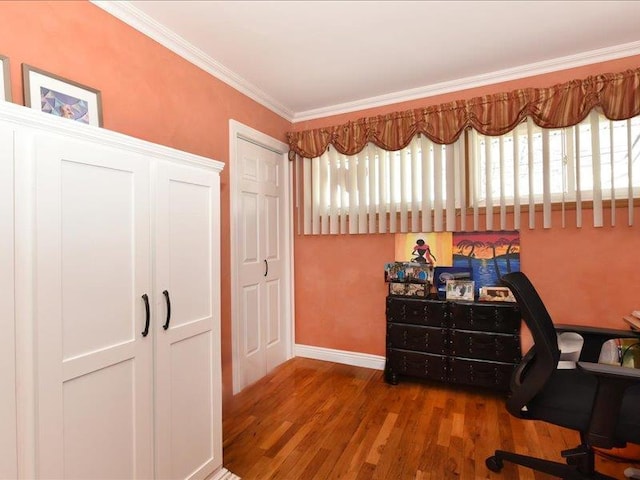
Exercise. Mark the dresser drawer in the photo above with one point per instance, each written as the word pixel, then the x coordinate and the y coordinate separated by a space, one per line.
pixel 466 343
pixel 413 337
pixel 422 365
pixel 488 318
pixel 420 312
pixel 480 373
pixel 485 346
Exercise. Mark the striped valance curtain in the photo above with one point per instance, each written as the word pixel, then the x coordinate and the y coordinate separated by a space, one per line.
pixel 616 95
pixel 479 182
pixel 479 164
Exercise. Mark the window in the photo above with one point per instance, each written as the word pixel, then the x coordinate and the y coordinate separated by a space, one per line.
pixel 379 191
pixel 596 160
pixel 432 187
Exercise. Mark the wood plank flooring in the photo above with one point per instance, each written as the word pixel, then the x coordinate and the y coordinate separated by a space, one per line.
pixel 314 420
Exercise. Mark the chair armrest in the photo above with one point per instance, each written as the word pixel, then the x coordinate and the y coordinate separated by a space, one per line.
pixel 616 372
pixel 594 338
pixel 613 380
pixel 609 333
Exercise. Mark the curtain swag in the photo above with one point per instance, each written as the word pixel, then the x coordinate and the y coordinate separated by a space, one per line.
pixel 562 105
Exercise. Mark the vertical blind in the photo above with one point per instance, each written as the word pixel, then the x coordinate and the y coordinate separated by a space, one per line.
pixel 418 188
pixel 466 185
pixel 595 164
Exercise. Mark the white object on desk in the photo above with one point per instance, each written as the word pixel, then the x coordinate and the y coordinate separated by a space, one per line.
pixel 632 473
pixel 610 353
pixel 570 346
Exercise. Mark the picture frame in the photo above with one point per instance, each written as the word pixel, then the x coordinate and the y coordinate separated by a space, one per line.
pixel 419 290
pixel 460 290
pixel 442 274
pixel 5 79
pixel 410 272
pixel 496 294
pixel 489 254
pixel 52 94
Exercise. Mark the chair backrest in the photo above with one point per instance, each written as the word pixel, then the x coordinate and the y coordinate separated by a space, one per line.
pixel 540 362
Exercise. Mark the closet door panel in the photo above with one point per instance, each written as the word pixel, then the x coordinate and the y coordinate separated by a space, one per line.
pixel 192 439
pixel 94 367
pixel 251 278
pixel 94 275
pixel 189 252
pixel 107 426
pixel 188 410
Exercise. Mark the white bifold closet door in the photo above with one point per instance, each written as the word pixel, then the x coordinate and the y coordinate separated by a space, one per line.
pixel 262 341
pixel 94 378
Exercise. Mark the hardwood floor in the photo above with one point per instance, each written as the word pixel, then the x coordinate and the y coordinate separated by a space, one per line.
pixel 318 420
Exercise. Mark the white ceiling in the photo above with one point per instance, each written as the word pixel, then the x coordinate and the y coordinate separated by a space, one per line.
pixel 307 59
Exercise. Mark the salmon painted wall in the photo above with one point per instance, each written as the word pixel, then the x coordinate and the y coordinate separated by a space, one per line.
pixel 585 276
pixel 151 93
pixel 148 92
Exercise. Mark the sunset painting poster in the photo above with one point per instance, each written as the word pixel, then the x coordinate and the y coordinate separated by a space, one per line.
pixel 489 254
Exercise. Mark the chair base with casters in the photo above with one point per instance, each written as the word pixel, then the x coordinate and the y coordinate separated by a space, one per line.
pixel 599 401
pixel 580 464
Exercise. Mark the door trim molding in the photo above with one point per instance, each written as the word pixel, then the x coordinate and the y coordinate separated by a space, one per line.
pixel 238 131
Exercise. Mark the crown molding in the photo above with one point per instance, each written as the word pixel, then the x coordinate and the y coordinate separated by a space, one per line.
pixel 137 19
pixel 126 12
pixel 530 70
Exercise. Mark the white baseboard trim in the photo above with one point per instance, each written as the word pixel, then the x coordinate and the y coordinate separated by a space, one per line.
pixel 224 474
pixel 340 356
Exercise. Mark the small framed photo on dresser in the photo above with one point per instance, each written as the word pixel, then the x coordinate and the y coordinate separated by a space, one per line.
pixel 5 79
pixel 420 290
pixel 460 290
pixel 496 294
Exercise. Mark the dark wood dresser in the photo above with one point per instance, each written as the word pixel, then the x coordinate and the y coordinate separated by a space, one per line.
pixel 456 342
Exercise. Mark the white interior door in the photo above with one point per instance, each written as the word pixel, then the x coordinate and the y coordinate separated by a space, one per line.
pixel 262 289
pixel 8 458
pixel 94 367
pixel 188 378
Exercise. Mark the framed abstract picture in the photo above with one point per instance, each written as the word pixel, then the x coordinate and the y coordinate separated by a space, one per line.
pixel 5 79
pixel 61 97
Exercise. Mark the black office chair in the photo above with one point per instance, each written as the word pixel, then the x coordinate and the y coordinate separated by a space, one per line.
pixel 601 402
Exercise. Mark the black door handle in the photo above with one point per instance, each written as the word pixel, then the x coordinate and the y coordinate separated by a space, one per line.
pixel 166 297
pixel 266 267
pixel 145 332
